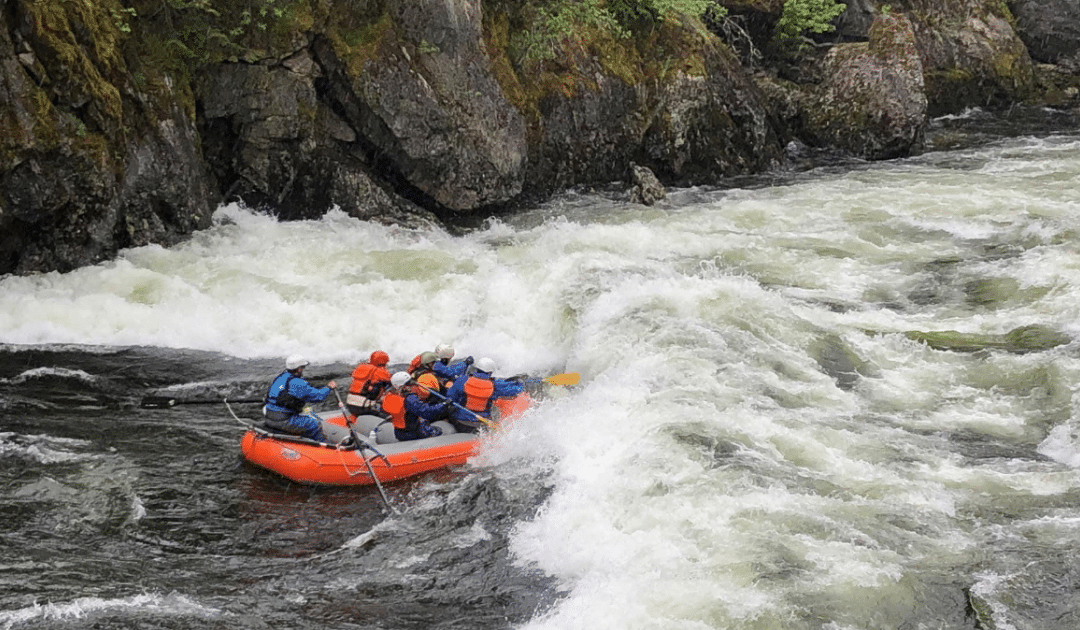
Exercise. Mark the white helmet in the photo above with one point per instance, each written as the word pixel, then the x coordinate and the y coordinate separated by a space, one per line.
pixel 485 365
pixel 295 361
pixel 445 351
pixel 399 379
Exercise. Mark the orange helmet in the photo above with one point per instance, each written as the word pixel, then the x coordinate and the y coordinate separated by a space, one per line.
pixel 429 381
pixel 379 358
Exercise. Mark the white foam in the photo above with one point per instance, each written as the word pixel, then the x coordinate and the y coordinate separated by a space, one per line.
pixel 44 449
pixel 46 372
pixel 85 608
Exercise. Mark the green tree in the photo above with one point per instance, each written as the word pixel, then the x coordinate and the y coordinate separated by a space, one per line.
pixel 805 16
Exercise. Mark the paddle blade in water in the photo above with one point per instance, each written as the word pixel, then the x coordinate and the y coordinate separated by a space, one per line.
pixel 570 378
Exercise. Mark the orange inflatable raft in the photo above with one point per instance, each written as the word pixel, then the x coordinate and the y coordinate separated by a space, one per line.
pixel 308 462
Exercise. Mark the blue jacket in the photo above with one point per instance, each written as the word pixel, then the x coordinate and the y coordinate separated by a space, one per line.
pixel 450 371
pixel 418 418
pixel 298 387
pixel 420 409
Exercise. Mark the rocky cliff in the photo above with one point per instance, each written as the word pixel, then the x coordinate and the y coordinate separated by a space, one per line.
pixel 126 123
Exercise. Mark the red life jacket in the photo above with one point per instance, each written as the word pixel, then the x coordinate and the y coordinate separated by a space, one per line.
pixel 394 404
pixel 369 381
pixel 478 392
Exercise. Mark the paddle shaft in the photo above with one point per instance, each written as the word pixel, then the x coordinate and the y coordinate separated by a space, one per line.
pixel 487 422
pixel 360 444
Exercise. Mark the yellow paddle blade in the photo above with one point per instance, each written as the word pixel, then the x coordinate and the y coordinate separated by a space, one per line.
pixel 570 378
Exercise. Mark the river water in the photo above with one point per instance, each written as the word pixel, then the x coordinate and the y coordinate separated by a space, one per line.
pixel 841 398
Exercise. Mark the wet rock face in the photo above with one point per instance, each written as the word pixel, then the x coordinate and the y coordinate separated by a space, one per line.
pixel 429 105
pixel 711 125
pixel 260 125
pixel 697 119
pixel 970 51
pixel 1050 29
pixel 589 135
pixel 89 164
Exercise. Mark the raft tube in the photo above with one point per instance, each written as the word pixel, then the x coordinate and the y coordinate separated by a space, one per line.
pixel 309 462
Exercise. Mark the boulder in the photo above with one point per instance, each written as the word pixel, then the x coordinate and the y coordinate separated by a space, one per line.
pixel 421 95
pixel 588 133
pixel 871 101
pixel 687 110
pixel 646 189
pixel 971 53
pixel 709 119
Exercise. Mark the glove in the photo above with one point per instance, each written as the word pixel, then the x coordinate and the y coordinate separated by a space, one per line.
pixel 468 360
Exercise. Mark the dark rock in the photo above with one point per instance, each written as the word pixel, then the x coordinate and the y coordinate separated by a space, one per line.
pixel 692 120
pixel 970 52
pixel 646 188
pixel 710 123
pixel 871 102
pixel 87 171
pixel 428 105
pixel 164 193
pixel 588 135
pixel 1050 29
pixel 854 23
pixel 413 112
pixel 263 129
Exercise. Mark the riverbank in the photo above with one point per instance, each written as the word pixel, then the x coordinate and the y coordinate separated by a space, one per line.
pixel 128 124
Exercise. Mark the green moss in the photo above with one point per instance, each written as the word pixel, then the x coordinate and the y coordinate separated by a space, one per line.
pixel 46 133
pixel 496 33
pixel 952 75
pixel 357 43
pixel 1013 71
pixel 84 60
pixel 1001 7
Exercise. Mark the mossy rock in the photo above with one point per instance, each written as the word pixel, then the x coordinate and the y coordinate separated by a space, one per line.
pixel 1033 338
pixel 982 611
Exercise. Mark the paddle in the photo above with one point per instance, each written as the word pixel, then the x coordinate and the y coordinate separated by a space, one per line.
pixel 487 422
pixel 570 378
pixel 360 444
pixel 159 402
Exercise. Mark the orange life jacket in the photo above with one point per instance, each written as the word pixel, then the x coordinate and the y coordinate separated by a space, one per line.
pixel 369 381
pixel 478 393
pixel 394 404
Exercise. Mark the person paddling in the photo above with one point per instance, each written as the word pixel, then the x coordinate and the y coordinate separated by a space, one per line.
pixel 286 397
pixel 411 414
pixel 446 371
pixel 475 395
pixel 369 381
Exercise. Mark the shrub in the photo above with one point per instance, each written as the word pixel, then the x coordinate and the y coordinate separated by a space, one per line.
pixel 805 16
